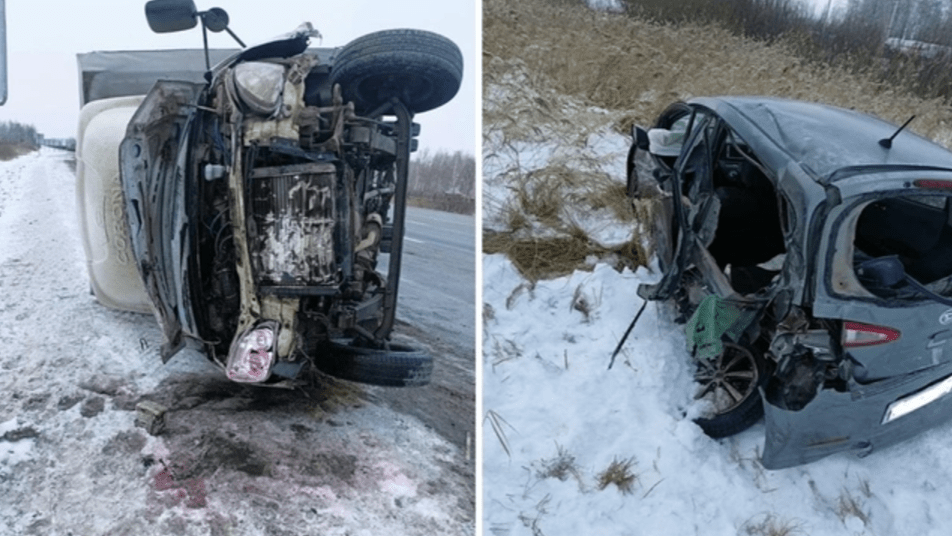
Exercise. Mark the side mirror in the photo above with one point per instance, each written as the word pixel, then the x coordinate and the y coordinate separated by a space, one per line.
pixel 215 19
pixel 882 272
pixel 640 137
pixel 171 15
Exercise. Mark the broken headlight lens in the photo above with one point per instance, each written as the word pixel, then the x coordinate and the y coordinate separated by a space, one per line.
pixel 259 86
pixel 253 354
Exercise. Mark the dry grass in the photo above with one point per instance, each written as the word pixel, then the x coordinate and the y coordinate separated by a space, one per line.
pixel 496 422
pixel 850 506
pixel 562 467
pixel 637 67
pixel 542 236
pixel 542 195
pixel 769 525
pixel 620 474
pixel 542 258
pixel 9 151
pixel 558 75
pixel 505 350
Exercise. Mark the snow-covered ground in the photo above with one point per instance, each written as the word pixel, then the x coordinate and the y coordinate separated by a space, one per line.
pixel 233 459
pixel 556 418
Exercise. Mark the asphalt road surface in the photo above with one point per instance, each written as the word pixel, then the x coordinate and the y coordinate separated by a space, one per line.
pixel 436 307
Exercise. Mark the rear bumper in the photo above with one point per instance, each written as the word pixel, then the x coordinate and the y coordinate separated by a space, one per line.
pixel 851 421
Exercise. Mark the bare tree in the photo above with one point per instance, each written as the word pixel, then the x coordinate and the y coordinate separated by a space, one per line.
pixel 444 180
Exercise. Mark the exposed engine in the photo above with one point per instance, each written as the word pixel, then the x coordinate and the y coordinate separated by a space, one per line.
pixel 293 225
pixel 257 200
pixel 296 196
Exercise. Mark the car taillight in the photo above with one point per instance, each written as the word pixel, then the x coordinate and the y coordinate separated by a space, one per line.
pixel 857 334
pixel 931 183
pixel 252 355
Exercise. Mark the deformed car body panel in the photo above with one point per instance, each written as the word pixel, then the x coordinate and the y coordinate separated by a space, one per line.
pixel 831 180
pixel 851 418
pixel 113 277
pixel 820 139
pixel 840 296
pixel 839 421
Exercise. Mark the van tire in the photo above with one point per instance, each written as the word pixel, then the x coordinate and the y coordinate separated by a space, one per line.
pixel 423 69
pixel 395 365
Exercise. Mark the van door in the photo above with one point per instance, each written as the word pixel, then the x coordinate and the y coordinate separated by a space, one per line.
pixel 155 182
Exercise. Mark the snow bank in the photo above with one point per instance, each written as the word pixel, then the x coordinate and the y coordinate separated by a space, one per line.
pixel 563 417
pixel 611 6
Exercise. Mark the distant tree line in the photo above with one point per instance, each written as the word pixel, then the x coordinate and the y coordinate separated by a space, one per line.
pixel 905 43
pixel 444 181
pixel 13 132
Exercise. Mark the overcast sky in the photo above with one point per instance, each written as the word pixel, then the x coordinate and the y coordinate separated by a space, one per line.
pixel 43 39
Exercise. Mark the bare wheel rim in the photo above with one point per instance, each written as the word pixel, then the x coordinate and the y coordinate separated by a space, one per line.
pixel 732 377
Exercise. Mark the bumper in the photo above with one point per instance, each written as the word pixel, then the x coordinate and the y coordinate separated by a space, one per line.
pixel 852 421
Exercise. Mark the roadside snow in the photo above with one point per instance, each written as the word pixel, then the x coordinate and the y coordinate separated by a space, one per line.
pixel 564 417
pixel 233 459
pixel 533 136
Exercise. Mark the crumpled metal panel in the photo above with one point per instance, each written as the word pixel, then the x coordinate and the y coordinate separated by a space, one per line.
pixel 823 138
pixel 153 171
pixel 850 421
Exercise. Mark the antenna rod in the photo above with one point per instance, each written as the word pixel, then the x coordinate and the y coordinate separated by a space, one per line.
pixel 887 142
pixel 231 33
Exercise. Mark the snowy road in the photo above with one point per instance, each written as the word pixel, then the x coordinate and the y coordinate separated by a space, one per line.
pixel 439 260
pixel 436 305
pixel 234 460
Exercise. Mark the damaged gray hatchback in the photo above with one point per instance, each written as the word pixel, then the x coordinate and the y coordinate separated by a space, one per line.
pixel 809 250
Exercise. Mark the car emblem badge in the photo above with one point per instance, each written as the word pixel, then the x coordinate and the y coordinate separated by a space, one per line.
pixel 946 317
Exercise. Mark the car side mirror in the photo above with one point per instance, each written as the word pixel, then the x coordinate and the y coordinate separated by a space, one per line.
pixel 887 272
pixel 882 272
pixel 171 15
pixel 640 137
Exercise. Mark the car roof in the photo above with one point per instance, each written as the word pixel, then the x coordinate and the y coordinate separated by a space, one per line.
pixel 822 139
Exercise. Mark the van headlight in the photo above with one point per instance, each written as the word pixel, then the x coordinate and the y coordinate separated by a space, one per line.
pixel 252 355
pixel 259 86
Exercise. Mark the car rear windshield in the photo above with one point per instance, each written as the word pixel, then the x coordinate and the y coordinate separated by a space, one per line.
pixel 915 229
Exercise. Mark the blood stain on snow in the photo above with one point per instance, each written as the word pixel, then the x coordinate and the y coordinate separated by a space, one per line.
pixel 191 490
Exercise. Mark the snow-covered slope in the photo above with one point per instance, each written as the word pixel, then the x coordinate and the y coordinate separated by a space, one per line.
pixel 556 418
